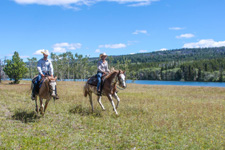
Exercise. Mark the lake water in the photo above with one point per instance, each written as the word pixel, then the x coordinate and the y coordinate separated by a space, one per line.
pixel 178 83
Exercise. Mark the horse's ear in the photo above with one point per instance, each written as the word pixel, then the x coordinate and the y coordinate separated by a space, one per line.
pixel 55 78
pixel 112 69
pixel 124 72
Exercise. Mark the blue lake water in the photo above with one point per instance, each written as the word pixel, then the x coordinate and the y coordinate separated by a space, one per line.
pixel 178 83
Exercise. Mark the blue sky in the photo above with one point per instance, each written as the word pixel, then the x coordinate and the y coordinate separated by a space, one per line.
pixel 116 27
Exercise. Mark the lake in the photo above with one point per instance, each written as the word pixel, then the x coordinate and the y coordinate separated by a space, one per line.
pixel 178 83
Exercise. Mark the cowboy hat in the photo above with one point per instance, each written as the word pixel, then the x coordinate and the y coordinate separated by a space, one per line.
pixel 102 54
pixel 46 52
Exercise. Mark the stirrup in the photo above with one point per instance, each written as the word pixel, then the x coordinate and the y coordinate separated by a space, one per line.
pixel 32 96
pixel 99 93
pixel 55 96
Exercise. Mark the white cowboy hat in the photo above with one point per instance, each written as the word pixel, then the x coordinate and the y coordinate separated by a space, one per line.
pixel 102 54
pixel 46 52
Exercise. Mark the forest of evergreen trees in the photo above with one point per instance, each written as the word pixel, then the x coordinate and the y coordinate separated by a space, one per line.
pixel 197 64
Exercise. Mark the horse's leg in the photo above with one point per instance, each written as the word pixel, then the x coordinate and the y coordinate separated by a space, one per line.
pixel 41 106
pixel 46 104
pixel 100 102
pixel 118 100
pixel 36 105
pixel 90 99
pixel 111 101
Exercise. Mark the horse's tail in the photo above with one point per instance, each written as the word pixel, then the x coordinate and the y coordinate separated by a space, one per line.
pixel 31 86
pixel 85 90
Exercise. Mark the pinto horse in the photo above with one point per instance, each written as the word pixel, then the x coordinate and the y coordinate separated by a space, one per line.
pixel 108 89
pixel 47 91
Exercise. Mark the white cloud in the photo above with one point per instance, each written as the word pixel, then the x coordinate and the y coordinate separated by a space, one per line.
pixel 59 50
pixel 132 53
pixel 188 35
pixel 120 45
pixel 176 28
pixel 38 52
pixel 63 47
pixel 205 43
pixel 143 51
pixel 74 4
pixel 140 31
pixel 97 51
pixel 163 49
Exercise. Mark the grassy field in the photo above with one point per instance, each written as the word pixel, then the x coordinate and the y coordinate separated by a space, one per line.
pixel 150 117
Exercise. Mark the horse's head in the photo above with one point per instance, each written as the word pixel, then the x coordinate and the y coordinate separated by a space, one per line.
pixel 122 79
pixel 52 85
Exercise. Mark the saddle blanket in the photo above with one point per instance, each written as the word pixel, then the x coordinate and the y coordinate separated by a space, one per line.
pixel 93 80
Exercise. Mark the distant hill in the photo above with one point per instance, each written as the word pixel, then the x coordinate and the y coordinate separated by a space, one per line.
pixel 176 55
pixel 172 55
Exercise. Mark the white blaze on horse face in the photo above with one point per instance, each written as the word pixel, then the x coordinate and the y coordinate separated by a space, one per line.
pixel 122 77
pixel 53 85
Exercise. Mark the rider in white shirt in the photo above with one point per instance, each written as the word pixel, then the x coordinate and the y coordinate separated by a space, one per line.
pixel 45 68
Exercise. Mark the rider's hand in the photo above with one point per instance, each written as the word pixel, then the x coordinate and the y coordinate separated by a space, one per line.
pixel 42 75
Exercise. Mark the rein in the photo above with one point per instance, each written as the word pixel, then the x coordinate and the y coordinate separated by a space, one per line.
pixel 117 79
pixel 50 89
pixel 120 88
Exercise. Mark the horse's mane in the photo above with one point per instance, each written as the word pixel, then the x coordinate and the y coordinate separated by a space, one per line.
pixel 111 73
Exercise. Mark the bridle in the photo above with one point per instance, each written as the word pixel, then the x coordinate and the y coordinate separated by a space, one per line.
pixel 120 81
pixel 50 87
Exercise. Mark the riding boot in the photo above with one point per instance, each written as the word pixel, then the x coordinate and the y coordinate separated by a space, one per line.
pixel 99 91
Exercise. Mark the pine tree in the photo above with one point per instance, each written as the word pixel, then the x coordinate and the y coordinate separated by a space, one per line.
pixel 15 68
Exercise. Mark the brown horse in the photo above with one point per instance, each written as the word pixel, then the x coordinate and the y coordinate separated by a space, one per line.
pixel 108 89
pixel 47 91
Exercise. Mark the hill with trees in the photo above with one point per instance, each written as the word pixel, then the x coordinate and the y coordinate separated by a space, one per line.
pixel 195 64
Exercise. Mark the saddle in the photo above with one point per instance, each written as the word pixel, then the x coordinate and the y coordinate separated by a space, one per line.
pixel 94 81
pixel 39 83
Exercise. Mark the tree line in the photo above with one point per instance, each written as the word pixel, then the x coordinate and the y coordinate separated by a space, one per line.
pixel 198 64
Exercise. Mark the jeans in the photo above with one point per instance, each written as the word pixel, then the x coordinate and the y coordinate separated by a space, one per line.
pixel 99 77
pixel 36 82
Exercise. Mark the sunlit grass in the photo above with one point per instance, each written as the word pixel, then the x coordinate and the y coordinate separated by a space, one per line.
pixel 150 117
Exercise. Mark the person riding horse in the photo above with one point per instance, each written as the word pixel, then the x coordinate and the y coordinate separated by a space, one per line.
pixel 45 68
pixel 102 70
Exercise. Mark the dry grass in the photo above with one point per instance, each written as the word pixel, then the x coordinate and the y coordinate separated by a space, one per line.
pixel 150 117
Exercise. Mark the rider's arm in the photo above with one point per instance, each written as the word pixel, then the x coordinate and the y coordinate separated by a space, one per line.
pixel 107 68
pixel 39 67
pixel 99 67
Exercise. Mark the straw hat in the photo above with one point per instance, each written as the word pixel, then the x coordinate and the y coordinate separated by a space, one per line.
pixel 46 52
pixel 102 54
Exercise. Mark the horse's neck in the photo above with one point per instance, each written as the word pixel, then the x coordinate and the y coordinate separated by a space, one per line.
pixel 45 86
pixel 112 78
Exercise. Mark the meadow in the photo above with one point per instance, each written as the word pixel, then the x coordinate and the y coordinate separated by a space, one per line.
pixel 150 117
